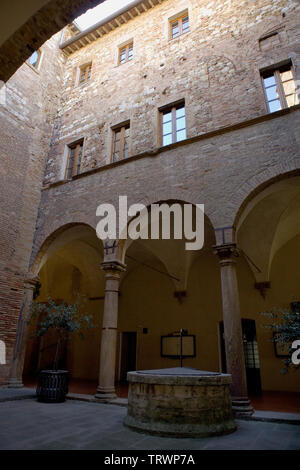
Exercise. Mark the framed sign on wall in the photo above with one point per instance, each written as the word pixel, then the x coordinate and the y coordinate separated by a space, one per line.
pixel 170 346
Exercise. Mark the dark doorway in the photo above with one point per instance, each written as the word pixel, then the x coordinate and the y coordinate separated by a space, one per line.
pixel 251 355
pixel 128 354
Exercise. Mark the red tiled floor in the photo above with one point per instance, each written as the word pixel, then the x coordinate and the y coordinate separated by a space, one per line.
pixel 287 402
pixel 85 387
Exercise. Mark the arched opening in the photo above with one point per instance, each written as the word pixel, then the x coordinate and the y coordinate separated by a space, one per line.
pixel 69 268
pixel 268 234
pixel 167 288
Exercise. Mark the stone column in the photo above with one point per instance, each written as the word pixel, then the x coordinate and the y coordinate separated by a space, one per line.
pixel 106 388
pixel 16 371
pixel 235 358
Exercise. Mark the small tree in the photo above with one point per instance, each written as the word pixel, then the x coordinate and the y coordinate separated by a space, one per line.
pixel 61 317
pixel 286 325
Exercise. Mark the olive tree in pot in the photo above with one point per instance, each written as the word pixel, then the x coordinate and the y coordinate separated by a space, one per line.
pixel 285 324
pixel 64 319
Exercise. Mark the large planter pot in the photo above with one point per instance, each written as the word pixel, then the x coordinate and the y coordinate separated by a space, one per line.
pixel 52 386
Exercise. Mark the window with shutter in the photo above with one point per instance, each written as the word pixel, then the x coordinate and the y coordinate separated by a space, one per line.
pixel 179 26
pixel 74 159
pixel 85 73
pixel 126 53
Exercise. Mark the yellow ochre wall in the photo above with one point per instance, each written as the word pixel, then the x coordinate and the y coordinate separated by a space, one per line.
pixel 147 301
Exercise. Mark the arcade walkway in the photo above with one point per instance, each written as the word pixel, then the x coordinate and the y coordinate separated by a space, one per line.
pixel 286 402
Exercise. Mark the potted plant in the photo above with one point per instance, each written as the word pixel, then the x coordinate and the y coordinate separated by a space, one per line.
pixel 285 324
pixel 64 319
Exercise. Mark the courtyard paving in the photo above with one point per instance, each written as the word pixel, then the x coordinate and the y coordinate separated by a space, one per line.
pixel 30 425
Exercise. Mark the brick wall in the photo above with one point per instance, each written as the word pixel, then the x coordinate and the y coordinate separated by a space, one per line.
pixel 29 106
pixel 219 171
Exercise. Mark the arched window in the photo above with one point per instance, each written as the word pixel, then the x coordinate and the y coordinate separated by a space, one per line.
pixel 35 59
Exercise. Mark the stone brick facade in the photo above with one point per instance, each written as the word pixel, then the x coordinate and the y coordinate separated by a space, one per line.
pixel 30 102
pixel 233 145
pixel 226 167
pixel 219 81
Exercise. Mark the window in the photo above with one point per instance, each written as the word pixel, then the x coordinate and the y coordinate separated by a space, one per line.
pixel 180 26
pixel 74 159
pixel 85 73
pixel 173 124
pixel 35 59
pixel 280 88
pixel 126 53
pixel 120 144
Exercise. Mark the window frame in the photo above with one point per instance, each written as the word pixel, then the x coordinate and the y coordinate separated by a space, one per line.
pixel 179 19
pixel 125 47
pixel 76 161
pixel 84 67
pixel 122 129
pixel 38 65
pixel 171 108
pixel 276 72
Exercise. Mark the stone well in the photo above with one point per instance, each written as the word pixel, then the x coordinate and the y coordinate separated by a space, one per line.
pixel 180 402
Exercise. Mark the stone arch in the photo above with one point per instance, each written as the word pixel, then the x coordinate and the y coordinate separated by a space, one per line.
pixel 209 234
pixel 68 263
pixel 287 228
pixel 267 220
pixel 28 30
pixel 258 183
pixel 190 196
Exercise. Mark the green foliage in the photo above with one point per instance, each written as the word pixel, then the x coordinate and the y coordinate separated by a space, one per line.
pixel 63 318
pixel 286 324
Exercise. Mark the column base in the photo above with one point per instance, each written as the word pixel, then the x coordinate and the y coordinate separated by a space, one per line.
pixel 105 394
pixel 242 407
pixel 15 383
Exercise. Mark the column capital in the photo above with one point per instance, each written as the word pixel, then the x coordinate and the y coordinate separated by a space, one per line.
pixel 113 267
pixel 226 253
pixel 31 281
